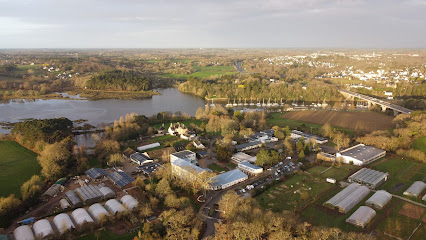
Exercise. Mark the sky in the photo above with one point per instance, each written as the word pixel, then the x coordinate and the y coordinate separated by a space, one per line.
pixel 213 24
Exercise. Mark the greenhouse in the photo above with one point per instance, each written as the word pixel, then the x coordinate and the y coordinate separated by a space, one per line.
pixel 129 202
pixel 113 206
pixel 89 194
pixel 63 222
pixel 23 233
pixel 415 189
pixel 107 192
pixel 379 199
pixel 81 216
pixel 362 216
pixel 98 212
pixel 42 229
pixel 64 204
pixel 73 198
pixel 348 198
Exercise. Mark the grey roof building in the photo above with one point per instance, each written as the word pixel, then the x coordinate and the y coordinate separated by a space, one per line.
pixel 248 146
pixel 362 216
pixel 228 179
pixel 369 177
pixel 360 154
pixel 348 198
pixel 415 189
pixel 379 199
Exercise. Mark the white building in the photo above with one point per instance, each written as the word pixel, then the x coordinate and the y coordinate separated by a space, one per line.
pixel 250 168
pixel 198 144
pixel 242 157
pixel 185 170
pixel 148 146
pixel 296 135
pixel 360 154
pixel 185 155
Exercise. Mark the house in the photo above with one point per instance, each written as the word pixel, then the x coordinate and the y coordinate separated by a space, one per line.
pixel 140 158
pixel 249 168
pixel 179 129
pixel 360 154
pixel 198 144
pixel 265 136
pixel 184 155
pixel 228 179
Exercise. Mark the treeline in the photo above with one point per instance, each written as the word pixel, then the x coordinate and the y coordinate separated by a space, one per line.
pixel 256 88
pixel 33 132
pixel 119 80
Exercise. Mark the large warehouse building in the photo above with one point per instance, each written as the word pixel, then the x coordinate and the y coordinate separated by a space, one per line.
pixel 369 177
pixel 250 168
pixel 348 198
pixel 360 154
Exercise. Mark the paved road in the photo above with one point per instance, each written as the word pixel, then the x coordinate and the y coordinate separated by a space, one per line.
pixel 377 101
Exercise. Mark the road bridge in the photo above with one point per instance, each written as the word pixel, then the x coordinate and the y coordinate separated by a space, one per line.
pixel 374 101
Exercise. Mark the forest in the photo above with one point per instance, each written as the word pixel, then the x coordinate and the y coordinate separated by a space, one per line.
pixel 119 80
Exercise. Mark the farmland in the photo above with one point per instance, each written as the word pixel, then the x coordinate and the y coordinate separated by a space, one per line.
pixel 17 165
pixel 204 72
pixel 358 121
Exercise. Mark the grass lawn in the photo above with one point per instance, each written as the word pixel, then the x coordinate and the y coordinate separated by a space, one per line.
pixel 420 144
pixel 203 72
pixel 102 234
pixel 293 194
pixel 337 173
pixel 17 165
pixel 216 168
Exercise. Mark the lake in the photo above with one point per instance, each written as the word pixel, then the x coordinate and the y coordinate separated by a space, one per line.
pixel 100 111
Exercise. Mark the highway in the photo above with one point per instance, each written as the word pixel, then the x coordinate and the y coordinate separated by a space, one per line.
pixel 377 101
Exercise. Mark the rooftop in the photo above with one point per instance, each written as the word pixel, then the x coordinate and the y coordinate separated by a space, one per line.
pixel 252 166
pixel 308 136
pixel 244 145
pixel 228 177
pixel 183 154
pixel 362 152
pixel 369 176
pixel 184 164
pixel 139 157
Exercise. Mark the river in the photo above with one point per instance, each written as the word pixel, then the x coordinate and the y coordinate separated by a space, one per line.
pixel 100 111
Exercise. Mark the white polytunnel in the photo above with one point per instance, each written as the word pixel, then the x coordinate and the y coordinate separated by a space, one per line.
pixel 42 229
pixel 362 216
pixel 107 192
pixel 114 207
pixel 129 202
pixel 64 203
pixel 81 216
pixel 348 198
pixel 379 199
pixel 23 233
pixel 63 222
pixel 97 211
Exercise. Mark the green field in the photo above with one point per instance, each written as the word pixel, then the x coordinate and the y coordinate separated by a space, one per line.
pixel 216 168
pixel 204 72
pixel 337 173
pixel 276 120
pixel 401 171
pixel 294 193
pixel 17 165
pixel 420 144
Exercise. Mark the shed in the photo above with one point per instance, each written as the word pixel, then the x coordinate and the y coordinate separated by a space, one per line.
pixel 42 229
pixel 98 212
pixel 23 233
pixel 129 202
pixel 81 217
pixel 53 190
pixel 114 207
pixel 64 203
pixel 63 222
pixel 148 146
pixel 415 189
pixel 379 199
pixel 107 192
pixel 362 216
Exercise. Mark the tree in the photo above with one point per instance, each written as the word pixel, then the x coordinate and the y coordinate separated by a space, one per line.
pixel 279 134
pixel 262 158
pixel 30 190
pixel 326 130
pixel 115 159
pixel 223 154
pixel 341 140
pixel 163 188
pixel 8 209
pixel 190 147
pixel 55 160
pixel 300 144
pixel 288 145
pixel 301 156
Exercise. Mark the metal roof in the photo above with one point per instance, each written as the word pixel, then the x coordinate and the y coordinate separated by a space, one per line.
pixel 95 173
pixel 73 198
pixel 249 144
pixel 139 157
pixel 362 216
pixel 183 154
pixel 187 165
pixel 368 176
pixel 362 152
pixel 228 177
pixel 120 178
pixel 308 136
pixel 249 165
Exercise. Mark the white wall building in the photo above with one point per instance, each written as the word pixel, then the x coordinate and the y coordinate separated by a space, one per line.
pixel 250 168
pixel 360 154
pixel 185 155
